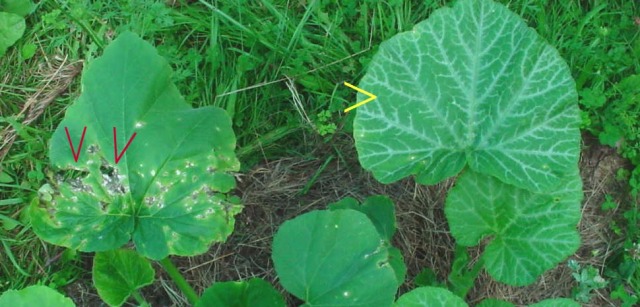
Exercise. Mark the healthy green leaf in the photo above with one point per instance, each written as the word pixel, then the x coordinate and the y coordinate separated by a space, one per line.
pixel 430 296
pixel 18 7
pixel 379 209
pixel 428 278
pixel 164 193
pixel 396 261
pixel 119 273
pixel 556 302
pixel 40 296
pixel 334 258
pixel 530 232
pixel 492 302
pixel 12 27
pixel 252 293
pixel 472 85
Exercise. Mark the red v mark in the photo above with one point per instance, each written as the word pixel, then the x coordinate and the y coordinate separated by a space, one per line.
pixel 75 154
pixel 115 146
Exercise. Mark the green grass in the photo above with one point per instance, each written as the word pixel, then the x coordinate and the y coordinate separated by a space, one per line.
pixel 239 55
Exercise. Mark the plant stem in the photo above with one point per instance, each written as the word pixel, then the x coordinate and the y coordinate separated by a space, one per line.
pixel 177 278
pixel 140 299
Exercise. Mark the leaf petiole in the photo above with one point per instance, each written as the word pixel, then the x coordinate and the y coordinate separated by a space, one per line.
pixel 181 283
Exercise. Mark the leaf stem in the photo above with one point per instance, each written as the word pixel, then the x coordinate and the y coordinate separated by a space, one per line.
pixel 140 299
pixel 177 278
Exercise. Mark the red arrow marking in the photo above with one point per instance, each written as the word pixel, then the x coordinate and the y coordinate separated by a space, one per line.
pixel 115 145
pixel 75 154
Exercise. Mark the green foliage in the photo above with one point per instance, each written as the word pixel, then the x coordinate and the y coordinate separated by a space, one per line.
pixel 334 258
pixel 506 106
pixel 12 27
pixel 207 47
pixel 117 274
pixel 473 89
pixel 324 124
pixel 428 278
pixel 379 209
pixel 429 296
pixel 252 293
pixel 494 303
pixel 532 232
pixel 588 280
pixel 21 8
pixel 556 302
pixel 381 212
pixel 12 24
pixel 166 191
pixel 40 296
pixel 461 278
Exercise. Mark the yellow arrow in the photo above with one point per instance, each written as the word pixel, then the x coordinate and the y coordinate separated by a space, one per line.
pixel 371 97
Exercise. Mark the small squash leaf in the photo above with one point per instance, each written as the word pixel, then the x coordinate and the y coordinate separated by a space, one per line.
pixel 12 27
pixel 556 302
pixel 40 296
pixel 252 293
pixel 530 232
pixel 19 7
pixel 334 258
pixel 492 302
pixel 165 190
pixel 471 85
pixel 430 296
pixel 119 273
pixel 379 209
pixel 396 261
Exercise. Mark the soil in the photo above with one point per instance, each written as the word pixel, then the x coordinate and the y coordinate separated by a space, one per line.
pixel 271 193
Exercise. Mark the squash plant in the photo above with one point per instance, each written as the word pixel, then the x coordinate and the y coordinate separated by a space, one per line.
pixel 164 190
pixel 12 23
pixel 471 93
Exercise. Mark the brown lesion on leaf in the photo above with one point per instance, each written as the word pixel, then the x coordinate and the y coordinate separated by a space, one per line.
pixel 150 200
pixel 113 182
pixel 92 149
pixel 78 186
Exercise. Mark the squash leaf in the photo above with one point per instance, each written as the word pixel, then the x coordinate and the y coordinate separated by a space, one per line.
pixel 472 85
pixel 12 27
pixel 492 302
pixel 119 273
pixel 21 8
pixel 165 192
pixel 430 296
pixel 378 208
pixel 556 302
pixel 40 296
pixel 530 232
pixel 381 211
pixel 334 258
pixel 252 293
